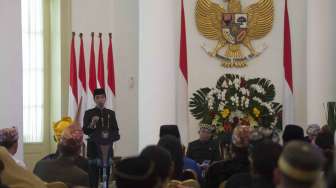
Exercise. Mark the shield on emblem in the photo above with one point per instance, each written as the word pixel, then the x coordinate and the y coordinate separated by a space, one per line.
pixel 234 27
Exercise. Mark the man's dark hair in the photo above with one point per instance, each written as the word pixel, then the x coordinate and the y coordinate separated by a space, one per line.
pixel 8 144
pixel 162 159
pixel 292 132
pixel 265 157
pixel 170 130
pixel 136 172
pixel 174 146
pixel 99 91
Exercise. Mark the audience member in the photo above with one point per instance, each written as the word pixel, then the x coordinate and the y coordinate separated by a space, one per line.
pixel 14 175
pixel 162 159
pixel 189 164
pixel 312 132
pixel 170 130
pixel 9 139
pixel 264 157
pixel 64 167
pixel 174 146
pixel 326 128
pixel 59 127
pixel 204 150
pixel 136 172
pixel 332 176
pixel 292 132
pixel 2 167
pixel 325 141
pixel 299 166
pixel 222 170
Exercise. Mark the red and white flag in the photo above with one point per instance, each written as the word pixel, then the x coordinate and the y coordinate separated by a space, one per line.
pixel 73 88
pixel 82 78
pixel 92 75
pixel 182 83
pixel 110 90
pixel 101 67
pixel 288 97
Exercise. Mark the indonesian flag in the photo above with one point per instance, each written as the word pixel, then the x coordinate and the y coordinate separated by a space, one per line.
pixel 182 83
pixel 288 101
pixel 82 79
pixel 92 75
pixel 110 90
pixel 73 88
pixel 101 68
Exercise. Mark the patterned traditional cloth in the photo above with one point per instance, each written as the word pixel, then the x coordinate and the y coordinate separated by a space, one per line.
pixel 241 136
pixel 72 136
pixel 9 134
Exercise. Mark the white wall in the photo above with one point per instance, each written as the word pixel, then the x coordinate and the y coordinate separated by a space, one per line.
pixel 158 62
pixel 111 16
pixel 11 67
pixel 321 58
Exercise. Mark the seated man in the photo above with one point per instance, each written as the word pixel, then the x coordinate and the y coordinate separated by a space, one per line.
pixel 264 157
pixel 204 150
pixel 9 139
pixel 292 132
pixel 170 130
pixel 188 164
pixel 59 127
pixel 222 170
pixel 299 166
pixel 64 168
pixel 136 172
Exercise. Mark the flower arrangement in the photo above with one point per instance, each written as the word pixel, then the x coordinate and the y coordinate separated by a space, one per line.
pixel 237 101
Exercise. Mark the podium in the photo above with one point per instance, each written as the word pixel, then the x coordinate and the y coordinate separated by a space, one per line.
pixel 103 138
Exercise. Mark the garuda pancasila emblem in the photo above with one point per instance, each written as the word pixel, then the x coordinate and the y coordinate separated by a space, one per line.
pixel 233 27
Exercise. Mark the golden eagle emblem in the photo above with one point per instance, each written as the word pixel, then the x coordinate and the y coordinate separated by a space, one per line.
pixel 233 27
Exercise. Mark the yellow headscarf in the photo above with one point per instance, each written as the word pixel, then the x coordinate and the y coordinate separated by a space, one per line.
pixel 60 126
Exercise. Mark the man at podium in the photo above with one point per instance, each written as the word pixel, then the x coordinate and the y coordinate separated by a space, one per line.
pixel 95 119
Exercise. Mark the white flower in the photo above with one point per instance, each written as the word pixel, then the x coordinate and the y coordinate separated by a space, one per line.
pixel 258 88
pixel 257 100
pixel 236 81
pixel 221 106
pixel 247 102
